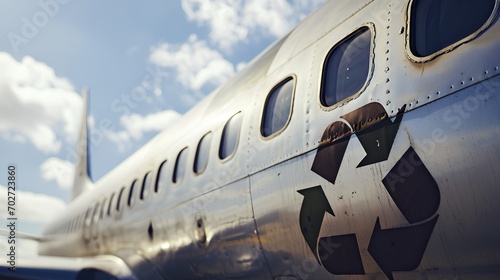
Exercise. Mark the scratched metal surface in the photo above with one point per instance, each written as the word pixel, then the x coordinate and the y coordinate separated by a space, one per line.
pixel 244 218
pixel 460 154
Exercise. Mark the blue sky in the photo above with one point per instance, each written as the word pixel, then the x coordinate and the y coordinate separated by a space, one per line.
pixel 146 63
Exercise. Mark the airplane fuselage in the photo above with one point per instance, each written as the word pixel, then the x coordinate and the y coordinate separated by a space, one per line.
pixel 398 179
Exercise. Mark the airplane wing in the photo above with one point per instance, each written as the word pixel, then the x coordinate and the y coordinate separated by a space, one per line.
pixel 23 235
pixel 22 267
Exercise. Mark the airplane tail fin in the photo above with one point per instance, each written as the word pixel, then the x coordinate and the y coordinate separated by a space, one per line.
pixel 82 180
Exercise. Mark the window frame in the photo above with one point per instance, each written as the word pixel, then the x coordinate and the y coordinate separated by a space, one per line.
pixel 144 191
pixel 199 172
pixel 119 200
pixel 162 165
pixel 88 216
pixel 340 103
pixel 95 214
pixel 230 156
pixel 175 170
pixel 110 204
pixel 103 208
pixel 418 59
pixel 292 102
pixel 131 194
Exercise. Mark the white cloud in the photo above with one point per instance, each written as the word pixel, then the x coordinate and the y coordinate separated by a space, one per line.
pixel 233 21
pixel 241 65
pixel 196 64
pixel 120 138
pixel 277 17
pixel 33 207
pixel 136 125
pixel 37 106
pixel 223 18
pixel 61 171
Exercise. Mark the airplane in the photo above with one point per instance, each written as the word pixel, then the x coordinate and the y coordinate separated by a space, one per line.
pixel 364 144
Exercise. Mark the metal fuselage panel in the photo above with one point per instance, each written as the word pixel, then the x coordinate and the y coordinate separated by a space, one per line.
pixel 462 157
pixel 427 210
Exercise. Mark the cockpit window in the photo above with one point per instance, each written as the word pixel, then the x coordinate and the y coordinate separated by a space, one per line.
pixel 278 107
pixel 230 136
pixel 437 24
pixel 346 67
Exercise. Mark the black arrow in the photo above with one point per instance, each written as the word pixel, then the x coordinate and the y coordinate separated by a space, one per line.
pixel 340 255
pixel 413 188
pixel 331 151
pixel 375 131
pixel 313 209
pixel 400 249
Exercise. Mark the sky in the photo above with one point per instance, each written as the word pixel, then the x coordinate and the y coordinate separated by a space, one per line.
pixel 145 63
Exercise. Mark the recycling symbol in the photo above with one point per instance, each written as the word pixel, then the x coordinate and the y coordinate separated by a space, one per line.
pixel 409 184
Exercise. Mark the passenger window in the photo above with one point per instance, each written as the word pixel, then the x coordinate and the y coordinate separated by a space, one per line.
pixel 346 68
pixel 230 136
pixel 180 166
pixel 202 152
pixel 145 185
pixel 96 213
pixel 437 24
pixel 119 200
pixel 131 195
pixel 101 215
pixel 277 108
pixel 110 203
pixel 161 177
pixel 79 220
pixel 88 216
